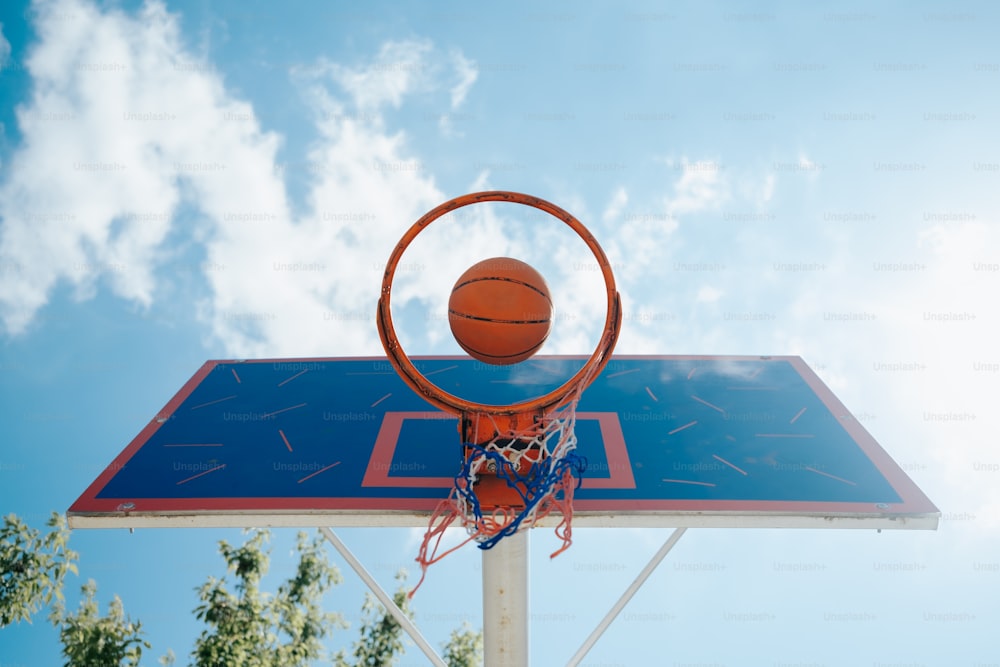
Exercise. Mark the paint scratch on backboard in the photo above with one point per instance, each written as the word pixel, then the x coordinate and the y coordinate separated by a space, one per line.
pixel 204 472
pixel 319 471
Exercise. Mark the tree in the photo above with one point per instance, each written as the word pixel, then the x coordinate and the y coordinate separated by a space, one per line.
pixel 256 629
pixel 251 627
pixel 32 567
pixel 464 647
pixel 246 626
pixel 380 637
pixel 89 639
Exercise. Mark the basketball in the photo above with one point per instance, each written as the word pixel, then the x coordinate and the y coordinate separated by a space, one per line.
pixel 500 311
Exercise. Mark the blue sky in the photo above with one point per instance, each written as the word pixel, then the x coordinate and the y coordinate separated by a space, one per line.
pixel 779 178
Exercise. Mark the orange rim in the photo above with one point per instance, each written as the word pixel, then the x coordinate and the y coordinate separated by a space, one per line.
pixel 449 402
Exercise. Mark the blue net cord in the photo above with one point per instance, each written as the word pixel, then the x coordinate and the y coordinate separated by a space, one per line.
pixel 542 483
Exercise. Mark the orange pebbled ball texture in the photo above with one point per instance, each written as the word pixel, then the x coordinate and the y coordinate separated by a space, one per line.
pixel 500 311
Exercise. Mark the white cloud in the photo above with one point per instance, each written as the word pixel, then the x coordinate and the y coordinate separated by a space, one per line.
pixel 922 417
pixel 811 168
pixel 807 164
pixel 767 191
pixel 94 186
pixel 699 187
pixel 643 238
pixel 756 188
pixel 323 277
pixel 467 74
pixel 4 47
pixel 129 124
pixel 403 68
pixel 903 331
pixel 945 319
pixel 614 209
pixel 708 294
pixel 398 69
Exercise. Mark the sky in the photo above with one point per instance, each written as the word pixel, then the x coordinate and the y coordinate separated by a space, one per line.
pixel 184 181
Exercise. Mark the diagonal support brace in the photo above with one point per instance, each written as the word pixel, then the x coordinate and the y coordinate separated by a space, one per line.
pixel 626 596
pixel 383 597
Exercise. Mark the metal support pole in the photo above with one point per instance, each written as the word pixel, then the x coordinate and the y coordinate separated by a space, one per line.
pixel 505 602
pixel 383 597
pixel 626 596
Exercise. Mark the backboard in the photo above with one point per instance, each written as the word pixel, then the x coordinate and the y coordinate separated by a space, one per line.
pixel 717 441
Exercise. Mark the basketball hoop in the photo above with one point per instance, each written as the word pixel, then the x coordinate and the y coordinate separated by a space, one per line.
pixel 519 463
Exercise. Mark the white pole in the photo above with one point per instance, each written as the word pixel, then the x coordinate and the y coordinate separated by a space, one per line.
pixel 626 596
pixel 383 597
pixel 505 602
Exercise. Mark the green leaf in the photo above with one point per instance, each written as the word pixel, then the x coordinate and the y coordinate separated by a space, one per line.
pixel 32 566
pixel 90 639
pixel 464 648
pixel 254 627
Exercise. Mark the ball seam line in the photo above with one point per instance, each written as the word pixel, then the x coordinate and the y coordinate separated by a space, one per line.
pixel 504 356
pixel 493 320
pixel 508 280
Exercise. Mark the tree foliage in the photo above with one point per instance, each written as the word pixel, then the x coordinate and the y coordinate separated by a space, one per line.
pixel 32 567
pixel 90 639
pixel 464 647
pixel 380 636
pixel 244 624
pixel 252 628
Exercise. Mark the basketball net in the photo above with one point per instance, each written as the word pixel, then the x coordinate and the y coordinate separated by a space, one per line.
pixel 511 482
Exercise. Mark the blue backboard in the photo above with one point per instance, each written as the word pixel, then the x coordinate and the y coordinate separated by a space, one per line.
pixel 719 441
